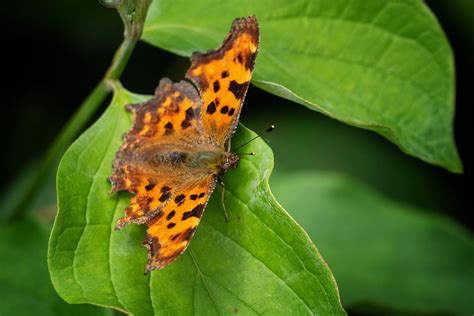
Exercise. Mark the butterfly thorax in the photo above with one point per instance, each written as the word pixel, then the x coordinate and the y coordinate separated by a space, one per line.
pixel 218 161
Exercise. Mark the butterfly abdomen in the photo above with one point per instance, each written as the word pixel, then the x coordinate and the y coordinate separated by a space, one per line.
pixel 168 158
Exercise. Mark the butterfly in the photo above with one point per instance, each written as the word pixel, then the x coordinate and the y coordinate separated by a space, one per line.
pixel 180 142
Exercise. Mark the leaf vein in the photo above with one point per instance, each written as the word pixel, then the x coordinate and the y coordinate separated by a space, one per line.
pixel 267 267
pixel 199 272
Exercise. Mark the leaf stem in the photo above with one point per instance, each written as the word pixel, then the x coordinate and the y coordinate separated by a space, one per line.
pixel 120 59
pixel 133 15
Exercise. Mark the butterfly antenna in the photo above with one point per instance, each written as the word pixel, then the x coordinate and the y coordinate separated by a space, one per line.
pixel 252 153
pixel 268 130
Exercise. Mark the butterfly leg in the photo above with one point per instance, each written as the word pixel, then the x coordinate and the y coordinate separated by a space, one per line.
pixel 221 183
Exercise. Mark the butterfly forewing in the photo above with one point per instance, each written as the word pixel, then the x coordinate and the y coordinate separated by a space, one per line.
pixel 223 76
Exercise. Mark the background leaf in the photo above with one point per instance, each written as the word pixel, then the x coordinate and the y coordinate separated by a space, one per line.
pixel 380 251
pixel 25 288
pixel 259 262
pixel 380 65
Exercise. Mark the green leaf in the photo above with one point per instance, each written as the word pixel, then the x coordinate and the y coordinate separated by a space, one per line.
pixel 25 287
pixel 259 262
pixel 381 65
pixel 381 251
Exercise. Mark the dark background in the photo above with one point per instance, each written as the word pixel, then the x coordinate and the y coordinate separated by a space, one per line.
pixel 54 53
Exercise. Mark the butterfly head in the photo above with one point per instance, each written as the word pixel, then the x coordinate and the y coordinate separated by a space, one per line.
pixel 230 161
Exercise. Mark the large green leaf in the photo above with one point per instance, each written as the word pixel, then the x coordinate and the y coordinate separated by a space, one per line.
pixel 380 251
pixel 380 65
pixel 259 262
pixel 25 288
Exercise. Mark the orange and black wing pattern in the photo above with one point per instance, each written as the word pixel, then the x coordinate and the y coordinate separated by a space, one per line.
pixel 170 232
pixel 170 117
pixel 171 114
pixel 170 192
pixel 223 76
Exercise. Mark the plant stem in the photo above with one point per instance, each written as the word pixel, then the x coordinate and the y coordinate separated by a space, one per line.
pixel 120 59
pixel 133 14
pixel 73 128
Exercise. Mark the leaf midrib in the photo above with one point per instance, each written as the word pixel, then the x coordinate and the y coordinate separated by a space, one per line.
pixel 201 275
pixel 265 182
pixel 259 260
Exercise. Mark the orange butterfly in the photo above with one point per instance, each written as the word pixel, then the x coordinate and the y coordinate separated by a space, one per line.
pixel 180 143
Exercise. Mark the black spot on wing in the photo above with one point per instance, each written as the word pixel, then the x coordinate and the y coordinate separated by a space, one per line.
pixel 150 186
pixel 189 117
pixel 250 62
pixel 168 128
pixel 179 199
pixel 240 58
pixel 211 108
pixel 224 109
pixel 238 89
pixel 196 212
pixel 166 194
pixel 171 215
pixel 185 124
pixel 216 86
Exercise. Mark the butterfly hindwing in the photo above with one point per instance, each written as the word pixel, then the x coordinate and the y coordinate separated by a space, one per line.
pixel 223 76
pixel 150 196
pixel 170 232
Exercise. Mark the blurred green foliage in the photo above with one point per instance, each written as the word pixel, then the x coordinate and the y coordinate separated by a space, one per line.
pixel 25 288
pixel 381 251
